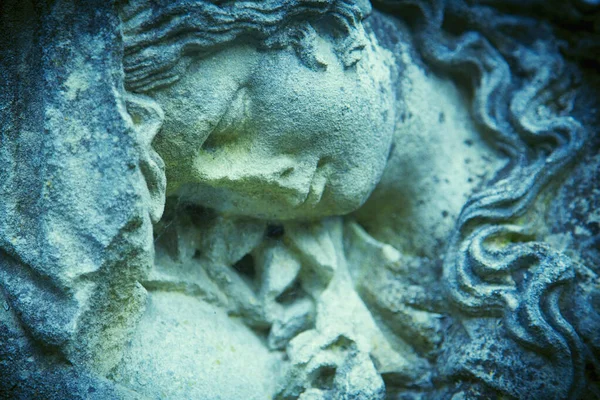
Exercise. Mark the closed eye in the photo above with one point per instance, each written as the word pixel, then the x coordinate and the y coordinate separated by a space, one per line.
pixel 235 115
pixel 231 123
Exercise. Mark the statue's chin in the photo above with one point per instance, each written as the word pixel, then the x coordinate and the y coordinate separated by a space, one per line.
pixel 273 202
pixel 283 188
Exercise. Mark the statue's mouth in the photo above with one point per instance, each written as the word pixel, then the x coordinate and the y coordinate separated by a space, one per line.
pixel 318 183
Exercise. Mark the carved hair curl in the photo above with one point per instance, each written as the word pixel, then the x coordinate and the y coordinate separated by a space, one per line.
pixel 516 73
pixel 159 34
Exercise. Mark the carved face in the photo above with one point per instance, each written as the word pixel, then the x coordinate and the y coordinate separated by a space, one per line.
pixel 260 134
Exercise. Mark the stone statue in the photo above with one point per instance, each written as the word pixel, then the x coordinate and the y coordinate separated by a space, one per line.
pixel 313 199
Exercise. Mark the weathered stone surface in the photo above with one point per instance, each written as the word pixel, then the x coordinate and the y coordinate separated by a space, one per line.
pixel 75 232
pixel 330 199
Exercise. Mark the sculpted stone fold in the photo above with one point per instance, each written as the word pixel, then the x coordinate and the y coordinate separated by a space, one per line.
pixel 298 199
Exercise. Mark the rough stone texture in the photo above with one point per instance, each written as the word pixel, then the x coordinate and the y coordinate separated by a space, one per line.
pixel 74 228
pixel 289 199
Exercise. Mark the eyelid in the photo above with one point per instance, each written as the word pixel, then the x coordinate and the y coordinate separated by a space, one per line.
pixel 236 114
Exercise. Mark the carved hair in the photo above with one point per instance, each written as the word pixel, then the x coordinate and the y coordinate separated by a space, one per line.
pixel 158 37
pixel 493 267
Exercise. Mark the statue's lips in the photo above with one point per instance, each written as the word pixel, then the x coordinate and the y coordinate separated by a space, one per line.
pixel 317 186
